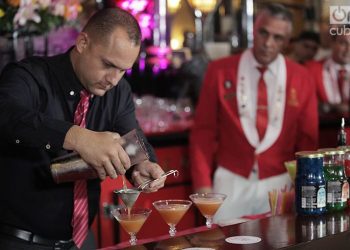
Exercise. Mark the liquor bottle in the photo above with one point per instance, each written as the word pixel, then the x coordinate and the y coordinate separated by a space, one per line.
pixel 341 140
pixel 310 190
pixel 337 186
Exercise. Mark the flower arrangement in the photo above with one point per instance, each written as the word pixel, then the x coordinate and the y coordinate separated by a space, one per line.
pixel 36 16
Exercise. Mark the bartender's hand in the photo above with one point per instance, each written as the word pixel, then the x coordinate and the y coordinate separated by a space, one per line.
pixel 101 150
pixel 145 171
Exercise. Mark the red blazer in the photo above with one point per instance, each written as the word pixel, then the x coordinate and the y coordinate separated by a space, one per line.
pixel 316 70
pixel 217 137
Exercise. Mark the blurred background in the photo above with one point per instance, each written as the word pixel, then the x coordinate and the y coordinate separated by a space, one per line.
pixel 180 37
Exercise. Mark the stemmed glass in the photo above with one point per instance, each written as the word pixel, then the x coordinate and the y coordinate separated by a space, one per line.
pixel 172 212
pixel 131 219
pixel 208 204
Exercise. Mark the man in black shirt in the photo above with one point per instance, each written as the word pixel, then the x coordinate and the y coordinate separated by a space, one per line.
pixel 38 98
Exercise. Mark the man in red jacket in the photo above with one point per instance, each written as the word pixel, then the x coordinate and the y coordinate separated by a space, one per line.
pixel 247 126
pixel 332 75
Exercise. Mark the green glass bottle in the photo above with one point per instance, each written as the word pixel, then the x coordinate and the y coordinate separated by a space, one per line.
pixel 337 187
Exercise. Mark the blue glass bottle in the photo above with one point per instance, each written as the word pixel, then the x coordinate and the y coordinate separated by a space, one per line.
pixel 310 189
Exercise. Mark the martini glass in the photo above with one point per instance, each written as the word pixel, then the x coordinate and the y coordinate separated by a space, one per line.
pixel 131 220
pixel 172 212
pixel 208 204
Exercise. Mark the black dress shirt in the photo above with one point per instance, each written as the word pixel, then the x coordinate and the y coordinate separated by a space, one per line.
pixel 38 97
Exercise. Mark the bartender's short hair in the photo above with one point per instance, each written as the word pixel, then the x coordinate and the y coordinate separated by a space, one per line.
pixel 105 21
pixel 278 10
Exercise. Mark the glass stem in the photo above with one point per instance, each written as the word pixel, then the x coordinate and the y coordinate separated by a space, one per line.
pixel 209 222
pixel 133 239
pixel 172 231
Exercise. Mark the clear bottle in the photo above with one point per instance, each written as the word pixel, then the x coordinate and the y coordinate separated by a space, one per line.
pixel 347 167
pixel 337 187
pixel 342 137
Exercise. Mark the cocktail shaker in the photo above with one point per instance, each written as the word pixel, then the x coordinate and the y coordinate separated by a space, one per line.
pixel 71 167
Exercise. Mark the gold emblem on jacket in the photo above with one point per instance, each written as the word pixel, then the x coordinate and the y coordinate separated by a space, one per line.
pixel 230 94
pixel 292 98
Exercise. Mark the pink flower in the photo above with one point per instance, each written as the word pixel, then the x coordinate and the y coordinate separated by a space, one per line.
pixel 26 12
pixel 58 9
pixel 44 3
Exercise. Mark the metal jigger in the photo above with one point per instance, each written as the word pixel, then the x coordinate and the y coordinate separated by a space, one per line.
pixel 128 196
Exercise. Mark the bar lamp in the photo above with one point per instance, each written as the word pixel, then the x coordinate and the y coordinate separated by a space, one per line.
pixel 201 8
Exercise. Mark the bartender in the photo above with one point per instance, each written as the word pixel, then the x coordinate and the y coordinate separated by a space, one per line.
pixel 77 101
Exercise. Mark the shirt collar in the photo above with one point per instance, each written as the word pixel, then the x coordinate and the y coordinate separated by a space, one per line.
pixel 66 75
pixel 338 66
pixel 272 67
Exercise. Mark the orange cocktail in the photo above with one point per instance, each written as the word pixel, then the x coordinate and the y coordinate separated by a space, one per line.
pixel 172 211
pixel 208 207
pixel 131 220
pixel 208 204
pixel 132 223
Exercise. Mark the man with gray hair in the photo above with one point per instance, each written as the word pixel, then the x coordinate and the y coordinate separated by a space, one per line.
pixel 256 109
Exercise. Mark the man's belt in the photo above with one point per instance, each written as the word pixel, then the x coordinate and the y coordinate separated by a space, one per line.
pixel 36 239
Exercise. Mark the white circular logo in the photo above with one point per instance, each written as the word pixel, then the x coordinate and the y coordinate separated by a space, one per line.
pixel 243 240
pixel 339 14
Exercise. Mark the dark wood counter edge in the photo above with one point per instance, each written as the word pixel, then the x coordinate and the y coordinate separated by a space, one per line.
pixel 159 238
pixel 274 236
pixel 329 242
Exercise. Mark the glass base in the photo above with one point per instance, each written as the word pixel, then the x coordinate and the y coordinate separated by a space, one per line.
pixel 133 239
pixel 172 231
pixel 209 222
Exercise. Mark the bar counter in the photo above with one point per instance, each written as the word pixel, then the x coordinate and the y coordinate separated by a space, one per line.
pixel 328 232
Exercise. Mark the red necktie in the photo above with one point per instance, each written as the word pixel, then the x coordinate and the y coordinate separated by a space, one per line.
pixel 80 213
pixel 341 82
pixel 262 116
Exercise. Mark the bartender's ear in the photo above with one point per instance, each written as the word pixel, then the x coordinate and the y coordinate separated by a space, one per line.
pixel 82 41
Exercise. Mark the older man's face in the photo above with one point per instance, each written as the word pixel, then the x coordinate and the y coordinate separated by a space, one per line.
pixel 271 35
pixel 341 49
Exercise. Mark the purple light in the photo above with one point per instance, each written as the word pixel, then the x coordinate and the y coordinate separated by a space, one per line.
pixel 138 6
pixel 142 64
pixel 142 10
pixel 159 51
pixel 128 72
pixel 145 20
pixel 155 69
pixel 145 24
pixel 124 5
pixel 163 63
